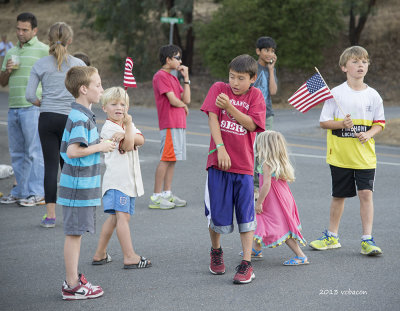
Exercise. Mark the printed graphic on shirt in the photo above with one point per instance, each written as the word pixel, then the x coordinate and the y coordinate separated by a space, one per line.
pixel 349 133
pixel 231 125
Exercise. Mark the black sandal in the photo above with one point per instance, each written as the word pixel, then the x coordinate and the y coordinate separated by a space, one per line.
pixel 143 263
pixel 103 261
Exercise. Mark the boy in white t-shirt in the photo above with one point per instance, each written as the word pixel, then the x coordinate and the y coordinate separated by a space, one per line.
pixel 351 156
pixel 122 180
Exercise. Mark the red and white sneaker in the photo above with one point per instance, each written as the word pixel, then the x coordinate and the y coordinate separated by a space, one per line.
pixel 217 265
pixel 84 290
pixel 244 273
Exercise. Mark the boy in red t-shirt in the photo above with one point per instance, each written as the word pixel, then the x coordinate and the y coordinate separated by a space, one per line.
pixel 236 111
pixel 172 108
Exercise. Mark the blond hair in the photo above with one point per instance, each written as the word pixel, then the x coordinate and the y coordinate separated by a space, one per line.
pixel 357 52
pixel 60 35
pixel 78 76
pixel 114 93
pixel 272 151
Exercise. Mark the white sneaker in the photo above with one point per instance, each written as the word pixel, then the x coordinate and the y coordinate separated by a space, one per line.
pixel 9 199
pixel 160 202
pixel 177 201
pixel 32 200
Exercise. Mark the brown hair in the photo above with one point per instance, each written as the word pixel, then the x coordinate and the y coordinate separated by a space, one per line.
pixel 60 35
pixel 78 76
pixel 244 64
pixel 355 51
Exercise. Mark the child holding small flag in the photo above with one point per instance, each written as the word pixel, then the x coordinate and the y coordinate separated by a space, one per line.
pixel 351 147
pixel 277 216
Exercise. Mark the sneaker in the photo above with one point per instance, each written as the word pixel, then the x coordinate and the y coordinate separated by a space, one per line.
pixel 48 222
pixel 9 199
pixel 325 242
pixel 32 200
pixel 369 248
pixel 244 273
pixel 84 290
pixel 177 201
pixel 160 202
pixel 217 265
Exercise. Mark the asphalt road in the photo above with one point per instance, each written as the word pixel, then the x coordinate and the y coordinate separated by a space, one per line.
pixel 177 242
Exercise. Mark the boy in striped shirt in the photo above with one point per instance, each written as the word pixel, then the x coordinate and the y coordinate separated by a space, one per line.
pixel 80 190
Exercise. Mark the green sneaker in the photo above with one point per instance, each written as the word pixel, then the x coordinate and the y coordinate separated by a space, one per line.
pixel 325 242
pixel 161 203
pixel 369 248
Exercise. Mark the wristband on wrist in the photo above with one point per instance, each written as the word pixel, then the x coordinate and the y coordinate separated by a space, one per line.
pixel 219 145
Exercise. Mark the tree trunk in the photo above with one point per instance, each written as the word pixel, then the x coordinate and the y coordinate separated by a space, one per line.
pixel 355 30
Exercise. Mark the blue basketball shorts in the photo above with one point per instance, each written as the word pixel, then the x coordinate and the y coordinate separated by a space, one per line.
pixel 117 201
pixel 226 193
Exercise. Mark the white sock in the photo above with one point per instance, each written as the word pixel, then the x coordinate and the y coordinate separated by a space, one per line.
pixel 366 237
pixel 166 194
pixel 156 195
pixel 335 235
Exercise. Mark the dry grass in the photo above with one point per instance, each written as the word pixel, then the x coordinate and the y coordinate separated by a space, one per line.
pixel 391 134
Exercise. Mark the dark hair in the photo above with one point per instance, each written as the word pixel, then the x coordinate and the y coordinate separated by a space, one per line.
pixel 82 56
pixel 168 51
pixel 265 43
pixel 244 64
pixel 27 17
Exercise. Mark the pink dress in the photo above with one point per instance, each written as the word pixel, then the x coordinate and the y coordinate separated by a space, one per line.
pixel 279 219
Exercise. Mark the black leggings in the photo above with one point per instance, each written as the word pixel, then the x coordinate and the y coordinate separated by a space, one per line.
pixel 51 129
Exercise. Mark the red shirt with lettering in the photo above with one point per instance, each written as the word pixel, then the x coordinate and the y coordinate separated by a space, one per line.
pixel 237 140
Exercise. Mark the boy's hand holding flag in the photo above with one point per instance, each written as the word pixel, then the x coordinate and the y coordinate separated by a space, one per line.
pixel 310 94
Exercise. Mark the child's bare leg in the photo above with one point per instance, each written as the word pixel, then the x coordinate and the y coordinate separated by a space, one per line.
pixel 336 211
pixel 215 239
pixel 51 210
pixel 247 242
pixel 169 176
pixel 160 176
pixel 72 248
pixel 294 246
pixel 366 210
pixel 124 237
pixel 105 236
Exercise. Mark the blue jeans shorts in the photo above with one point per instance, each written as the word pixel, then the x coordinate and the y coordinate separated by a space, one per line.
pixel 114 200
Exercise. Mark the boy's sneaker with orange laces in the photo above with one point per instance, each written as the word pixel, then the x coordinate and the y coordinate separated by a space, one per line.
pixel 244 273
pixel 217 265
pixel 84 290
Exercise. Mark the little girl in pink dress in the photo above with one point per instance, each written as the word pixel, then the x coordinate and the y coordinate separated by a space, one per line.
pixel 277 215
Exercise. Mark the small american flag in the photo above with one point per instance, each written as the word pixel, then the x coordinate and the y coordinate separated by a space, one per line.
pixel 310 94
pixel 129 79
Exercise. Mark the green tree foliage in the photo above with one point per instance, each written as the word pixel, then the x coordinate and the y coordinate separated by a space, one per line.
pixel 128 23
pixel 135 27
pixel 301 28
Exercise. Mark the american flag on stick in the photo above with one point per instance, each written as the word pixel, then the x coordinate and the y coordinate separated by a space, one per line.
pixel 129 79
pixel 310 94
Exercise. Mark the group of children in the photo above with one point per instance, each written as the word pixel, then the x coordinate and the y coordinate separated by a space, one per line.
pixel 236 111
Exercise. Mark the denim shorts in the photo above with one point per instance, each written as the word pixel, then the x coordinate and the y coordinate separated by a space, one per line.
pixel 117 201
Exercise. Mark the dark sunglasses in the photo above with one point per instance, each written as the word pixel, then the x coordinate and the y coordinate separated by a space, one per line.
pixel 178 58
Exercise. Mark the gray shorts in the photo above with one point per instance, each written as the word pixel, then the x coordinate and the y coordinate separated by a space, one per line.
pixel 173 145
pixel 78 220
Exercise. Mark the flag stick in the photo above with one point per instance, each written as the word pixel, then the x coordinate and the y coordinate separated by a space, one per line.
pixel 340 108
